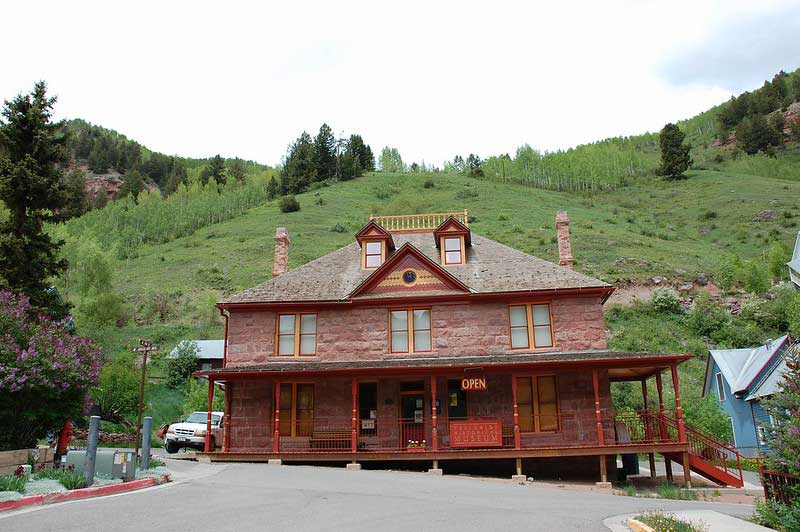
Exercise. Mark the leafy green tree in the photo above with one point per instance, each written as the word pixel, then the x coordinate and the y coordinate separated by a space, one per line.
pixel 176 178
pixel 214 170
pixel 756 277
pixel 32 154
pixel 390 160
pixel 707 414
pixel 777 257
pixel 183 365
pixel 474 164
pixel 299 167
pixel 132 185
pixel 325 153
pixel 196 393
pixel 675 158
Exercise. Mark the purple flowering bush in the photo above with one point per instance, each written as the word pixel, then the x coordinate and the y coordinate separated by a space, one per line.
pixel 45 373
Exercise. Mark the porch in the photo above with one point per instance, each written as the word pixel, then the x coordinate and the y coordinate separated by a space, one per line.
pixel 525 410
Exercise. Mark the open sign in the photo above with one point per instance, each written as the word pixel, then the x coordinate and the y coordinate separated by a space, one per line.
pixel 473 384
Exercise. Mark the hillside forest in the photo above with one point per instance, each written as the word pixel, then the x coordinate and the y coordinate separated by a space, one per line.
pixel 144 244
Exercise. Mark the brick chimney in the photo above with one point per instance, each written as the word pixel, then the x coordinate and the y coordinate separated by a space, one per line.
pixel 564 246
pixel 282 242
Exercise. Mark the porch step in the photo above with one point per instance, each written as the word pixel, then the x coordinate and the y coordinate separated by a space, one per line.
pixel 707 470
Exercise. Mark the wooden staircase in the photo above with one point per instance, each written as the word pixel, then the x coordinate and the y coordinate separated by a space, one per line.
pixel 709 458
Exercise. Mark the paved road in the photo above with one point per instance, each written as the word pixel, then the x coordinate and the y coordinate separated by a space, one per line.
pixel 237 497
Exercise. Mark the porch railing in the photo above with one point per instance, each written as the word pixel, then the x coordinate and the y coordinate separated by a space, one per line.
pixel 418 222
pixel 393 434
pixel 778 486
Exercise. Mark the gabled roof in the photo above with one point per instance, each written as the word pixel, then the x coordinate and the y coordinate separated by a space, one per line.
pixel 373 231
pixel 442 279
pixel 452 226
pixel 794 264
pixel 771 384
pixel 491 268
pixel 213 349
pixel 741 368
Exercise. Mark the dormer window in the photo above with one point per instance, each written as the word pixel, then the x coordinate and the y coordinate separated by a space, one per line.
pixel 452 238
pixel 373 254
pixel 452 250
pixel 376 243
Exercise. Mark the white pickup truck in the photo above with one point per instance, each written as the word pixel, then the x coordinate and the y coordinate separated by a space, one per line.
pixel 192 432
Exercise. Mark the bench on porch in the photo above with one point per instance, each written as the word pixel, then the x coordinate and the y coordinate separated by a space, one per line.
pixel 331 439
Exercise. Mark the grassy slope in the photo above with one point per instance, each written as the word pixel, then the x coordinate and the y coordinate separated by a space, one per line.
pixel 650 228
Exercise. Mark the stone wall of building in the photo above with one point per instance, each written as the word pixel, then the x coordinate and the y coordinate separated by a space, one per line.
pixel 252 405
pixel 362 333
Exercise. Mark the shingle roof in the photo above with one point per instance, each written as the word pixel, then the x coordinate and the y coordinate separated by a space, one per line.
pixel 491 267
pixel 612 358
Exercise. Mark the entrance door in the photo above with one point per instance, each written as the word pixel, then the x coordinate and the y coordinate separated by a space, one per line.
pixel 412 422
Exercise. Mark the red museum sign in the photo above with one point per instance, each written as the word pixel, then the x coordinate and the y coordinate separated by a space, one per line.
pixel 476 433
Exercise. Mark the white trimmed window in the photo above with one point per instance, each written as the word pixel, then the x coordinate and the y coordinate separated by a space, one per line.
pixel 297 334
pixel 720 386
pixel 530 325
pixel 410 330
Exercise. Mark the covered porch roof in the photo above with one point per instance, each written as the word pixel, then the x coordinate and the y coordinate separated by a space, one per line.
pixel 622 366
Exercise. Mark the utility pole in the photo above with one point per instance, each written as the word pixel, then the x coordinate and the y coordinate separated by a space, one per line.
pixel 145 348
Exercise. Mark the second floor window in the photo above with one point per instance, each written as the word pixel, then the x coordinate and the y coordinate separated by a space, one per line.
pixel 410 330
pixel 530 326
pixel 373 254
pixel 297 334
pixel 453 250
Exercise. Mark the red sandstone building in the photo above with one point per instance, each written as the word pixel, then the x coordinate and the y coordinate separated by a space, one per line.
pixel 421 341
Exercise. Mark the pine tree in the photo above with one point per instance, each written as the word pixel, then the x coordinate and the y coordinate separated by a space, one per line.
pixel 364 153
pixel 75 190
pixel 675 158
pixel 273 189
pixel 237 170
pixel 349 165
pixel 215 170
pixel 299 168
pixel 32 153
pixel 755 134
pixel 133 185
pixel 324 153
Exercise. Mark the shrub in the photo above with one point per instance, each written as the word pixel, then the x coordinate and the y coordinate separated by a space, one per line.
pixel 289 204
pixel 708 215
pixel 706 317
pixel 12 483
pixel 660 521
pixel 196 394
pixel 756 277
pixel 118 393
pixel 668 491
pixel 45 376
pixel 183 365
pixel 339 228
pixel 777 257
pixel 104 310
pixel 66 477
pixel 781 517
pixel 784 436
pixel 428 183
pixel 666 300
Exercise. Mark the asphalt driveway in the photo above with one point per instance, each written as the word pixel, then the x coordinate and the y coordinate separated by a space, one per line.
pixel 235 497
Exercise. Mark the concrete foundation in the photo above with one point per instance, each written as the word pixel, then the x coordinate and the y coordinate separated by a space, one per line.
pixel 353 467
pixel 435 471
pixel 275 461
pixel 519 478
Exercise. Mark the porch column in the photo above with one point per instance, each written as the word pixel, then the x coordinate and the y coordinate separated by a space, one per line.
pixel 434 418
pixel 597 412
pixel 687 471
pixel 678 409
pixel 648 430
pixel 276 437
pixel 517 443
pixel 207 447
pixel 354 418
pixel 662 428
pixel 226 438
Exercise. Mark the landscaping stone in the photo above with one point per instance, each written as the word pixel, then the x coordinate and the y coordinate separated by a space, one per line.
pixel 6 496
pixel 154 472
pixel 43 486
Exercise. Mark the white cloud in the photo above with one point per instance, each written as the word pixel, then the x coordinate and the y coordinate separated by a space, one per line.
pixel 431 78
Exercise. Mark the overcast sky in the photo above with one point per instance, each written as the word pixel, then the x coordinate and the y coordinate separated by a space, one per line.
pixel 433 79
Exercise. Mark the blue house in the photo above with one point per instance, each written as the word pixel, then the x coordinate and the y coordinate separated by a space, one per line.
pixel 740 379
pixel 794 264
